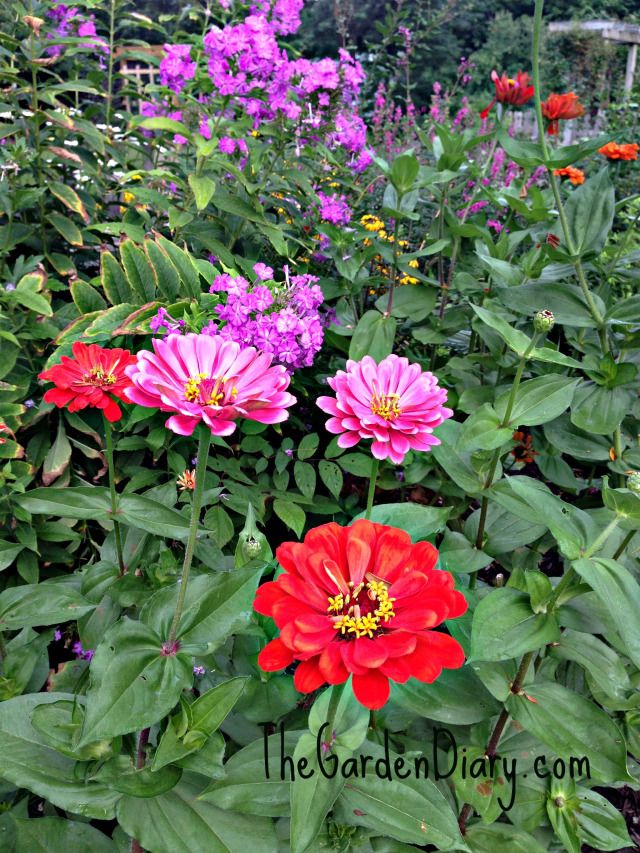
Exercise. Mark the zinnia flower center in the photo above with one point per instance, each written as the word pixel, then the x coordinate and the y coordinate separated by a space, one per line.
pixel 209 391
pixel 99 376
pixel 386 405
pixel 362 612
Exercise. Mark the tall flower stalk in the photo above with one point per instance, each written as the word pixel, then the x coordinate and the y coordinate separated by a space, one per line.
pixel 108 434
pixel 204 442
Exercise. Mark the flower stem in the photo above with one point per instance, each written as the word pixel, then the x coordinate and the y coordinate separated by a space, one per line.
pixel 497 453
pixel 108 434
pixel 375 464
pixel 494 740
pixel 196 505
pixel 623 545
pixel 110 60
pixel 336 695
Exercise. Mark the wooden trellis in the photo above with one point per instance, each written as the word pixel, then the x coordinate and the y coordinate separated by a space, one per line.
pixel 130 63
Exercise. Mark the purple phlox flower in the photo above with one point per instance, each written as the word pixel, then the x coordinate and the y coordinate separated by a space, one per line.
pixel 227 145
pixel 57 635
pixel 164 323
pixel 334 209
pixel 199 670
pixel 177 67
pixel 262 271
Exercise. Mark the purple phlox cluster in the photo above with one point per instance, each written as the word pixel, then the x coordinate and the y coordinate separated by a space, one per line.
pixel 462 113
pixel 68 22
pixel 334 209
pixel 164 323
pixel 228 145
pixel 281 319
pixel 475 207
pixel 393 126
pixel 255 75
pixel 263 272
pixel 538 177
pixel 495 224
pixel 177 67
pixel 80 653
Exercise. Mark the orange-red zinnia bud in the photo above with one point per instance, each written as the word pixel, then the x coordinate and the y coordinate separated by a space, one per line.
pixel 558 107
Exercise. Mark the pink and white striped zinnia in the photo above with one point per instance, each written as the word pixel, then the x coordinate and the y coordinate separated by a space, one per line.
pixel 395 403
pixel 205 378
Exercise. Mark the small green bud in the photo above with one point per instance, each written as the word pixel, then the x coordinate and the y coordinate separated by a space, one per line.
pixel 252 544
pixel 633 482
pixel 543 321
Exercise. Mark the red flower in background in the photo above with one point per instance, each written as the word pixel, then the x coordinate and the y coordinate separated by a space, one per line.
pixel 362 601
pixel 509 91
pixel 92 378
pixel 615 151
pixel 576 176
pixel 558 107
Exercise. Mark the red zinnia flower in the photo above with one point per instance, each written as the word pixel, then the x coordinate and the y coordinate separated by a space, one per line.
pixel 509 91
pixel 614 151
pixel 360 601
pixel 93 377
pixel 558 107
pixel 576 176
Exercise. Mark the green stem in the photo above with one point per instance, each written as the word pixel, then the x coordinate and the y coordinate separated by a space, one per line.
pixel 394 266
pixel 3 648
pixel 336 695
pixel 375 464
pixel 196 504
pixel 494 740
pixel 112 29
pixel 497 453
pixel 623 545
pixel 108 434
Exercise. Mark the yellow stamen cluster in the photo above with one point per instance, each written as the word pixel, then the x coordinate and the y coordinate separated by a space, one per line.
pixel 353 622
pixel 386 405
pixel 192 391
pixel 98 376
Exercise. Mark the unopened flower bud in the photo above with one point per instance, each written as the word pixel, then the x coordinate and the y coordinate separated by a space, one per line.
pixel 633 482
pixel 543 321
pixel 34 23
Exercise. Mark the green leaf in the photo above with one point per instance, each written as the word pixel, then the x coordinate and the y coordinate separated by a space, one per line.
pixel 292 515
pixel 374 335
pixel 215 606
pixel 305 477
pixel 456 462
pixel 164 272
pixel 33 301
pixel 566 302
pixel 67 228
pixel 57 458
pixel 40 604
pixel 420 522
pixel 599 410
pixel 121 774
pixel 503 531
pixel 312 798
pixel 180 820
pixel 483 431
pixel 505 626
pixel 351 720
pixel 138 271
pixel 600 824
pixel 566 438
pixel 152 516
pixel 203 189
pixel 602 663
pixel 404 171
pixel 8 552
pixel 70 198
pixel 77 502
pixel 86 297
pixel 163 123
pixel 538 400
pixel 569 154
pixel 308 445
pixel 619 593
pixel 501 836
pixel 625 504
pixel 59 835
pixel 218 522
pixel 412 810
pixel 133 684
pixel 415 302
pixel 114 281
pixel 28 761
pixel 447 699
pixel 206 715
pixel 572 726
pixel 331 476
pixel 589 211
pixel 457 554
pixel 527 154
pixel 189 275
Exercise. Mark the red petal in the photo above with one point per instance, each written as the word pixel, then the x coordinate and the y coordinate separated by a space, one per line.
pixel 368 652
pixel 397 669
pixel 398 643
pixel 275 655
pixel 424 556
pixel 372 689
pixel 266 596
pixel 448 650
pixel 331 665
pixel 308 677
pixel 58 397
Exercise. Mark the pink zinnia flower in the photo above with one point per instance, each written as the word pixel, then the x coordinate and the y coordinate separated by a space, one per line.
pixel 394 403
pixel 205 378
